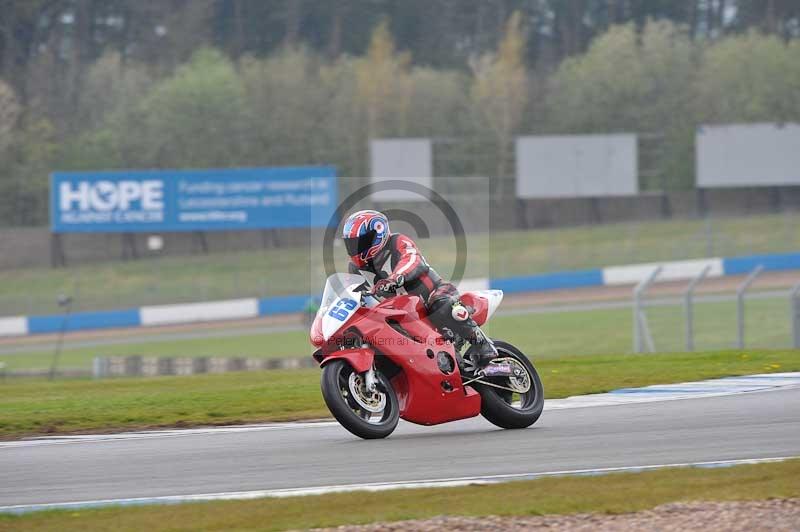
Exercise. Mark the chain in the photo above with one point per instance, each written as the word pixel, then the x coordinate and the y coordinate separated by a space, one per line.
pixel 507 388
pixel 478 380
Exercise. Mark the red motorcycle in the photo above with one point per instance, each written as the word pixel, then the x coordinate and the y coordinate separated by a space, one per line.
pixel 383 360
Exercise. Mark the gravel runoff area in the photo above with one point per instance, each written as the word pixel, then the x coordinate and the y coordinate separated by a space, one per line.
pixel 780 514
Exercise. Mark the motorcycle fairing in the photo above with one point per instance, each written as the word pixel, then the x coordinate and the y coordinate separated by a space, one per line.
pixel 485 302
pixel 359 359
pixel 399 329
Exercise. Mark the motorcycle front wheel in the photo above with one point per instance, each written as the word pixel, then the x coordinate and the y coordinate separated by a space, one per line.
pixel 512 409
pixel 368 415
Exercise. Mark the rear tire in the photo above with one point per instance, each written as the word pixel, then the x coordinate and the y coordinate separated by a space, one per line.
pixel 496 404
pixel 348 412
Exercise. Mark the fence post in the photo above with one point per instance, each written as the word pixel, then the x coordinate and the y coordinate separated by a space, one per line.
pixel 100 367
pixel 64 301
pixel 709 235
pixel 795 309
pixel 641 333
pixel 740 292
pixel 688 305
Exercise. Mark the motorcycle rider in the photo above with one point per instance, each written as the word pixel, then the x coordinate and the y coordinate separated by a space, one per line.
pixel 396 263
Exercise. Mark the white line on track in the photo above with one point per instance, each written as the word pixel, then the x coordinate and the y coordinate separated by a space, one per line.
pixel 684 390
pixel 625 396
pixel 148 434
pixel 372 487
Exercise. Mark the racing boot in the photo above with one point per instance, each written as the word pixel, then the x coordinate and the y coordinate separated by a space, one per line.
pixel 481 351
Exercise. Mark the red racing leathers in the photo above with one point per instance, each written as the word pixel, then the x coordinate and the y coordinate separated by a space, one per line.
pixel 400 259
pixel 400 262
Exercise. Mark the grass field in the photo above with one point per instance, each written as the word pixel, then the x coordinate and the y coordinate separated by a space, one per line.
pixel 605 494
pixel 289 271
pixel 30 407
pixel 540 335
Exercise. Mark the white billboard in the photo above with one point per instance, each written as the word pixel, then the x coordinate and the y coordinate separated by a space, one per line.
pixel 747 155
pixel 569 166
pixel 401 159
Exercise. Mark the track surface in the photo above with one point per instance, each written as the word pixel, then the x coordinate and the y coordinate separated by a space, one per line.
pixel 746 426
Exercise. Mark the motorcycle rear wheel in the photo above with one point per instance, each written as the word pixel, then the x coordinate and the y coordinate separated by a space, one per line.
pixel 349 411
pixel 501 407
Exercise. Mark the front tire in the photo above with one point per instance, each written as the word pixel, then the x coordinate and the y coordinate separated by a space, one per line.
pixel 510 410
pixel 339 382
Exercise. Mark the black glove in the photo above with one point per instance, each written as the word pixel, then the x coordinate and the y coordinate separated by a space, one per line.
pixel 385 287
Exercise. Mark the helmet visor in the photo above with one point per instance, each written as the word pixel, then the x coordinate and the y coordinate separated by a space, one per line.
pixel 358 245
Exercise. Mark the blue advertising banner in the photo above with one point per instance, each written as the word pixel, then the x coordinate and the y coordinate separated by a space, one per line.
pixel 192 200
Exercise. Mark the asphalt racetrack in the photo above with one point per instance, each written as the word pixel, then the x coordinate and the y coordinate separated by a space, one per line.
pixel 268 457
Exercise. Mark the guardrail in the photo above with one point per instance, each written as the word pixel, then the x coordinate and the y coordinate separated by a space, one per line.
pixel 253 307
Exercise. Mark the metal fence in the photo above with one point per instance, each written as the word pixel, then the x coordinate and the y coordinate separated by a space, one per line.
pixel 736 317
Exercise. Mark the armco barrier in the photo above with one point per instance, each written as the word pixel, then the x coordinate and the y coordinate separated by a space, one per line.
pixel 82 321
pixel 253 308
pixel 153 315
pixel 743 265
pixel 16 326
pixel 233 309
pixel 670 271
pixel 282 304
pixel 548 281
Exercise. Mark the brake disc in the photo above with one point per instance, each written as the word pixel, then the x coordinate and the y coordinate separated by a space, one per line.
pixel 370 401
pixel 520 381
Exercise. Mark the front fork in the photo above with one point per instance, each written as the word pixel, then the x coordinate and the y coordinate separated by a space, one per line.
pixel 370 382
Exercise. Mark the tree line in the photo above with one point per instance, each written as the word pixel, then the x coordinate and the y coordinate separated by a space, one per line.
pixel 86 84
pixel 438 33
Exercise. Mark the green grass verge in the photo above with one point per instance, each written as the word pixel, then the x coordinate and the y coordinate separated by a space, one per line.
pixel 293 271
pixel 34 407
pixel 539 335
pixel 615 493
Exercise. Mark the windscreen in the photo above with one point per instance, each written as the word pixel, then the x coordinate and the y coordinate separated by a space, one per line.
pixel 336 287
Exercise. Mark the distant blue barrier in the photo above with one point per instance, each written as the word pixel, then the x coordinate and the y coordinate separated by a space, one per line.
pixel 771 262
pixel 290 304
pixel 81 321
pixel 548 281
pixel 282 304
